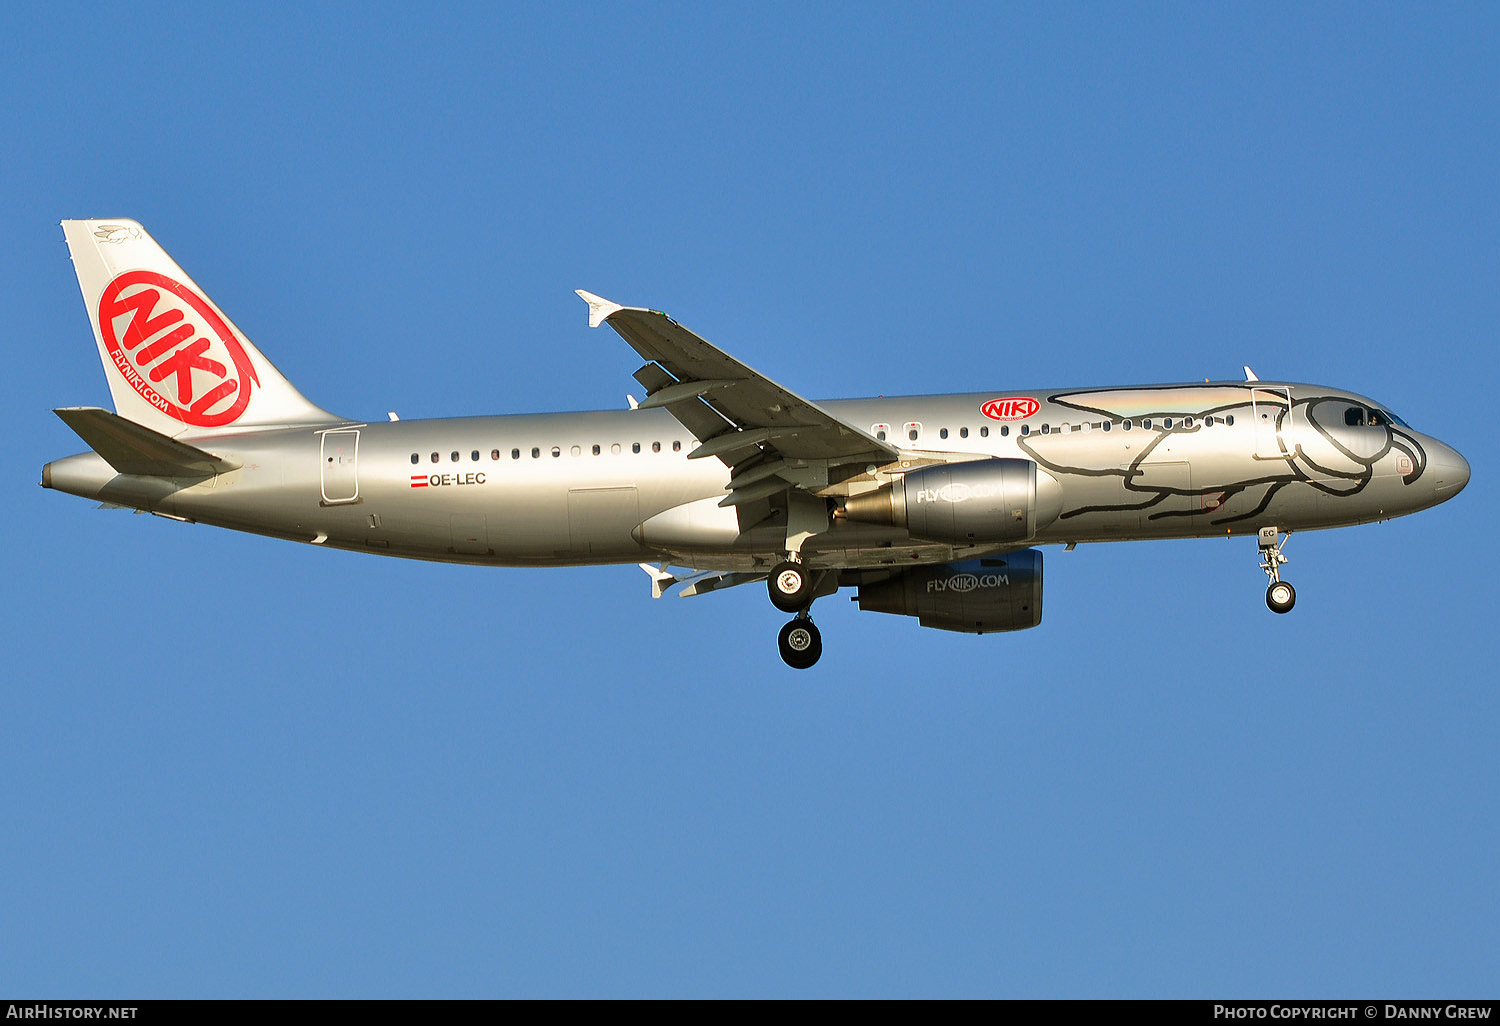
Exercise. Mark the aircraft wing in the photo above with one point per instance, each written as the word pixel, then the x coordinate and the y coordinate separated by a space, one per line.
pixel 741 416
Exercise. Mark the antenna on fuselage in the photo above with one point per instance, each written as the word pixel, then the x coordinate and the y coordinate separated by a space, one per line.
pixel 1250 374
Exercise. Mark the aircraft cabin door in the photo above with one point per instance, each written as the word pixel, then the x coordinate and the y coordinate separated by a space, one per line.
pixel 340 467
pixel 1272 410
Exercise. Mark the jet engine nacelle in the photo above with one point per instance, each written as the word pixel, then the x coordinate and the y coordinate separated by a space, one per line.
pixel 976 503
pixel 976 596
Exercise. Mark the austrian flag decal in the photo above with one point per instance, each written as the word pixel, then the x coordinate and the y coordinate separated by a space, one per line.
pixel 175 349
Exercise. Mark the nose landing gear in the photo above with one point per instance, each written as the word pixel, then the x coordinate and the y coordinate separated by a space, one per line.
pixel 1280 596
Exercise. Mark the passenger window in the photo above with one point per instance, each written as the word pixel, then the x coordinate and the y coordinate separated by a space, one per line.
pixel 912 434
pixel 1106 425
pixel 1025 429
pixel 913 430
pixel 943 433
pixel 415 458
pixel 963 432
pixel 494 454
pixel 1208 421
pixel 474 456
pixel 1046 429
pixel 1167 423
pixel 1127 425
pixel 1146 423
pixel 656 447
pixel 1187 422
pixel 455 455
pixel 536 453
pixel 596 450
pixel 556 452
pixel 576 451
pixel 880 435
pixel 676 446
pixel 435 457
pixel 1229 420
pixel 615 449
pixel 635 447
pixel 515 454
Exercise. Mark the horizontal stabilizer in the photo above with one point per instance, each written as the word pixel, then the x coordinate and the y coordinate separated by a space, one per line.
pixel 133 449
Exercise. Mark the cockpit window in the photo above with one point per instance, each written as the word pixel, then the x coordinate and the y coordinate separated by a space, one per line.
pixel 1358 416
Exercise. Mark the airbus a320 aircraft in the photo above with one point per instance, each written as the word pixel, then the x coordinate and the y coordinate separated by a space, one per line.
pixel 928 506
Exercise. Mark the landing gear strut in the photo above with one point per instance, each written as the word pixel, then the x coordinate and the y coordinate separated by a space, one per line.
pixel 1280 596
pixel 800 642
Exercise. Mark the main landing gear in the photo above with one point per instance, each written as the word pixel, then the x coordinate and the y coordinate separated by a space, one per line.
pixel 791 587
pixel 1280 596
pixel 800 642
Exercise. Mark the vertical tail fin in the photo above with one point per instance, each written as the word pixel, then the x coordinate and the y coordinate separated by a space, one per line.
pixel 175 363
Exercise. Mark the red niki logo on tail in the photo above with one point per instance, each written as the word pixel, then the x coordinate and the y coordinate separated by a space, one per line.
pixel 175 350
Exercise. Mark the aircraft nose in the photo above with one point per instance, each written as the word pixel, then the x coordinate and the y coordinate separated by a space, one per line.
pixel 1450 471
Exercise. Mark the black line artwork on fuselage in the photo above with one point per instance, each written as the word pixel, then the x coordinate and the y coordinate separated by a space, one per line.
pixel 1181 451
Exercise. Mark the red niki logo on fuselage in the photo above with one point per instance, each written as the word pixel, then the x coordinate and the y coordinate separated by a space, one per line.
pixel 1018 408
pixel 175 349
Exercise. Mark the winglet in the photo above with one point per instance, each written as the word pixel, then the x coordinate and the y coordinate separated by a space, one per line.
pixel 599 307
pixel 1250 375
pixel 661 579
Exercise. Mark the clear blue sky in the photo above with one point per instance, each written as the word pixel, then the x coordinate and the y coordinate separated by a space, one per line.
pixel 239 767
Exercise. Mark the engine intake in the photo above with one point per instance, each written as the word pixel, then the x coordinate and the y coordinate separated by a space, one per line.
pixel 985 501
pixel 976 596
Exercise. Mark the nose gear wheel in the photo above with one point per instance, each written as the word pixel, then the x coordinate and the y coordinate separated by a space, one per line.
pixel 1280 595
